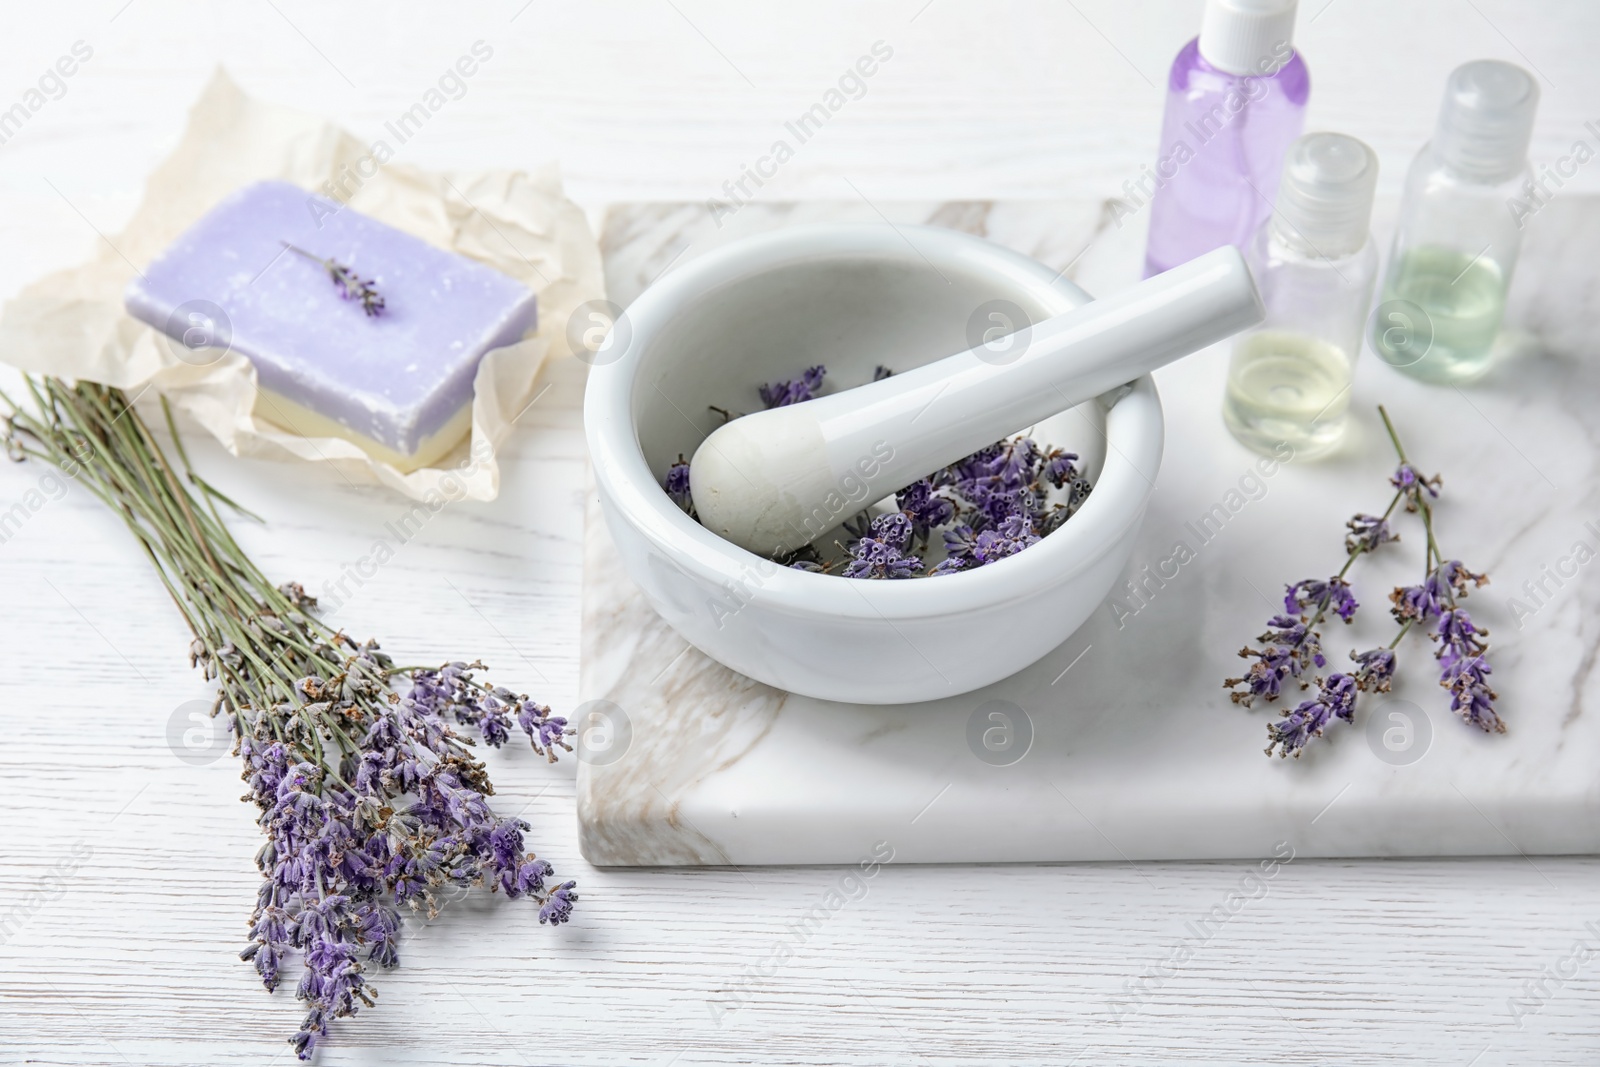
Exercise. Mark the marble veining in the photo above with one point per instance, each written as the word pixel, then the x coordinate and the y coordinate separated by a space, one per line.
pixel 1134 751
pixel 634 662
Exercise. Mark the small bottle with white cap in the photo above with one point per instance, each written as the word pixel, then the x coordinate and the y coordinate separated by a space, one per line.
pixel 1236 97
pixel 1457 240
pixel 1315 264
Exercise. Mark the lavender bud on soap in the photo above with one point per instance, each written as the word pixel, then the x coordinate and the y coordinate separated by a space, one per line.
pixel 356 329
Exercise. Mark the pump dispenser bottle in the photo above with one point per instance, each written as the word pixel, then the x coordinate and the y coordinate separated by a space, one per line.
pixel 1236 98
pixel 1457 241
pixel 1315 265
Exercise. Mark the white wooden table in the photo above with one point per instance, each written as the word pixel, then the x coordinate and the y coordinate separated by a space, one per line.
pixel 125 872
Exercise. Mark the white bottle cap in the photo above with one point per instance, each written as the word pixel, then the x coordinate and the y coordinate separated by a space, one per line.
pixel 1248 36
pixel 1325 195
pixel 1487 119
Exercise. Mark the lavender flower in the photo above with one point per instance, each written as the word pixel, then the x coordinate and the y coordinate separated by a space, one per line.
pixel 1412 486
pixel 546 732
pixel 1335 699
pixel 332 985
pixel 871 558
pixel 879 549
pixel 782 394
pixel 1436 593
pixel 1010 535
pixel 351 285
pixel 1454 574
pixel 1465 672
pixel 1459 640
pixel 1311 596
pixel 558 908
pixel 1415 602
pixel 923 505
pixel 1375 669
pixel 1004 467
pixel 1289 647
pixel 676 483
pixel 961 542
pixel 1367 532
pixel 1060 468
pixel 1471 696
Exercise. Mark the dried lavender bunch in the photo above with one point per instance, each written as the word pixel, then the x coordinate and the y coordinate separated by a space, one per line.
pixel 986 506
pixel 351 285
pixel 369 796
pixel 1292 646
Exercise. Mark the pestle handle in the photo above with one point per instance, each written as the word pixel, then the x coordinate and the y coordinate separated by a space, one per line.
pixel 778 479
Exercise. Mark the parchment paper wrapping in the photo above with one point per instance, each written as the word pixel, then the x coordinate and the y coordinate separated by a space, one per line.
pixel 72 324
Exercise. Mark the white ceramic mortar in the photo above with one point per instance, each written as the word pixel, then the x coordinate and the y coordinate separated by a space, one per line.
pixel 850 297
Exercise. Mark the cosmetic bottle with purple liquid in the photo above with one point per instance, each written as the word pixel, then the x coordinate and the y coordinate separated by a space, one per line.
pixel 1236 100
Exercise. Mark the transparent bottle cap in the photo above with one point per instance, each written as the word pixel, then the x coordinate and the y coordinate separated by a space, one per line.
pixel 1248 36
pixel 1487 118
pixel 1325 196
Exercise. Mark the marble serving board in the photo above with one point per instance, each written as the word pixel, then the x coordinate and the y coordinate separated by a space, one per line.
pixel 1122 744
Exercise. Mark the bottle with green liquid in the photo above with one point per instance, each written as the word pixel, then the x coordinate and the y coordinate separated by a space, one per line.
pixel 1315 264
pixel 1444 292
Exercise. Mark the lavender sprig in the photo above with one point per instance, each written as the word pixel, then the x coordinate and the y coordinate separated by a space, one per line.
pixel 1463 670
pixel 351 285
pixel 1335 698
pixel 369 797
pixel 1292 645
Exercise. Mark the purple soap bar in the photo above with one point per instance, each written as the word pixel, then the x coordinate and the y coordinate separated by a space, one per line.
pixel 400 378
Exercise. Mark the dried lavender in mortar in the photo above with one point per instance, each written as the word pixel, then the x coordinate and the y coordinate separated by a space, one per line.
pixel 985 507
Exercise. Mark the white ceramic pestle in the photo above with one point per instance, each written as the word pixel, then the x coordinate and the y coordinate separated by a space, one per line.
pixel 778 479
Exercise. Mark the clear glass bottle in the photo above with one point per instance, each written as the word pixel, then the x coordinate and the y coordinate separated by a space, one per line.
pixel 1236 98
pixel 1456 244
pixel 1315 264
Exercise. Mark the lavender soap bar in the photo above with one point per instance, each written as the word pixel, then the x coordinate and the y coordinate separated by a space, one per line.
pixel 356 330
